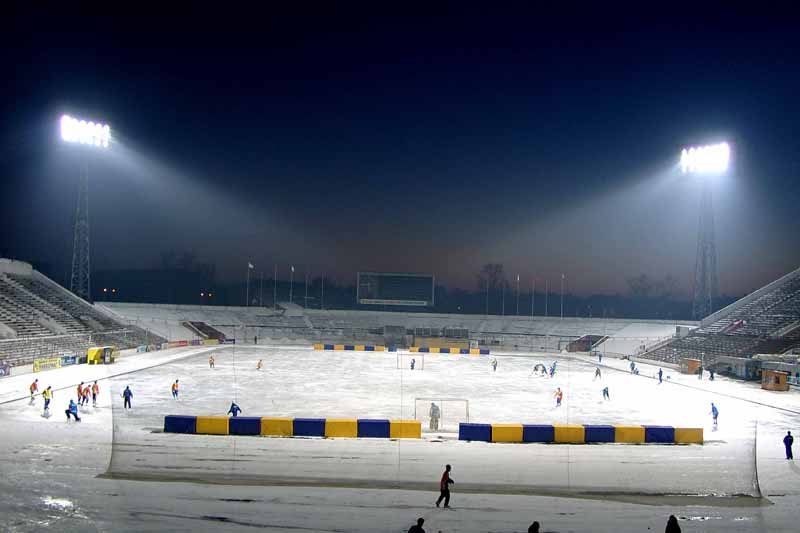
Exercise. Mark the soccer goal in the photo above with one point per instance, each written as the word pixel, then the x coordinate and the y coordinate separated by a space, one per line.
pixel 452 411
pixel 404 360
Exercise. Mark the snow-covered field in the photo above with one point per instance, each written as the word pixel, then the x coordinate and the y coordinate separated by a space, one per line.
pixel 50 468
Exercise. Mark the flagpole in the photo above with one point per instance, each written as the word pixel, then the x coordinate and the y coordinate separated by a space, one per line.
pixel 261 290
pixel 562 296
pixel 322 293
pixel 291 284
pixel 275 289
pixel 546 296
pixel 247 290
pixel 305 298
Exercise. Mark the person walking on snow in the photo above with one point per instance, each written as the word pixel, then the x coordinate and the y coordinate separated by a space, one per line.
pixel 413 362
pixel 259 364
pixel 444 487
pixel 127 394
pixel 605 394
pixel 234 410
pixel 86 392
pixel 660 376
pixel 597 374
pixel 714 412
pixel 47 395
pixel 210 361
pixel 95 392
pixel 79 391
pixel 34 388
pixel 558 396
pixel 72 410
pixel 494 365
pixel 788 440
pixel 175 390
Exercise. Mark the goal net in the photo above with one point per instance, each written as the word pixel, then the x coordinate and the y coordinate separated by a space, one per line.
pixel 404 360
pixel 451 411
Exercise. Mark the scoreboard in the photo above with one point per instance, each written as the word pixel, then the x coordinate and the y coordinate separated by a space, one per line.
pixel 383 288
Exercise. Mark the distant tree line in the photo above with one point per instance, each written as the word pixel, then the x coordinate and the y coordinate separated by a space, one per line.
pixel 182 279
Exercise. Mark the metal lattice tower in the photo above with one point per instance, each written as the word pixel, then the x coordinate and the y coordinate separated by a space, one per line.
pixel 706 282
pixel 80 283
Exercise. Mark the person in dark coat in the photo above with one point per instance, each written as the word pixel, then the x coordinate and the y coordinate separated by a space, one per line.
pixel 788 440
pixel 534 528
pixel 417 528
pixel 672 525
pixel 444 487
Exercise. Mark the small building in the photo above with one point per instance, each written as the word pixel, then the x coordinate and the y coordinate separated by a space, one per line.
pixel 774 380
pixel 690 366
pixel 738 367
pixel 98 355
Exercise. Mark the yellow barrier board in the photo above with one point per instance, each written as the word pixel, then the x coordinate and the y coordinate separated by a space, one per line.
pixel 211 342
pixel 414 349
pixel 688 435
pixel 506 432
pixel 629 434
pixel 474 351
pixel 569 434
pixel 359 347
pixel 338 346
pixel 277 427
pixel 212 425
pixel 341 427
pixel 46 364
pixel 319 346
pixel 380 348
pixel 405 429
pixel 435 350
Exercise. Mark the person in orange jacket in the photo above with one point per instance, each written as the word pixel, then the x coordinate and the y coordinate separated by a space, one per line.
pixel 95 392
pixel 34 388
pixel 175 389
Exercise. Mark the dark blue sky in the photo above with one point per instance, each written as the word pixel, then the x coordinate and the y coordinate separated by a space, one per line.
pixel 416 139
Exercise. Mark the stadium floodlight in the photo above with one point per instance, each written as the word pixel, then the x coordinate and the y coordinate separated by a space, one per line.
pixel 709 159
pixel 85 132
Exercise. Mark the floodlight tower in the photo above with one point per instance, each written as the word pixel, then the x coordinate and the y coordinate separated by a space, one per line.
pixel 703 161
pixel 91 135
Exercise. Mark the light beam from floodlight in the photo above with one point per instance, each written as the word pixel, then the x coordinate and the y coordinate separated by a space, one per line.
pixel 85 132
pixel 709 159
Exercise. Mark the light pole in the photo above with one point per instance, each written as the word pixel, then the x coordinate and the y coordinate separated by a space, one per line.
pixel 562 296
pixel 699 161
pixel 95 135
pixel 533 296
pixel 247 290
pixel 305 298
pixel 275 289
pixel 517 294
pixel 546 296
pixel 291 284
pixel 487 296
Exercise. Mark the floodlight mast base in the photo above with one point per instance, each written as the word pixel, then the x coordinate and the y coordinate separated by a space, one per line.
pixel 80 280
pixel 706 280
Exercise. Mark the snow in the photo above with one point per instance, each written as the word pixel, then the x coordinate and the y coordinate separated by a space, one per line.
pixel 50 468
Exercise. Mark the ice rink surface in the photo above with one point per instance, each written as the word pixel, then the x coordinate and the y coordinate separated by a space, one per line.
pixel 163 482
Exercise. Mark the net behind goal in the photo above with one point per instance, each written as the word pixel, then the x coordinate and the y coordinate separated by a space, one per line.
pixel 451 411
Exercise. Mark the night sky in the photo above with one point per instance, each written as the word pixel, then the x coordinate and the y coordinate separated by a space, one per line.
pixel 428 140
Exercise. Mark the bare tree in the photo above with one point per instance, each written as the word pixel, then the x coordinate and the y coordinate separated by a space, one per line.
pixel 491 280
